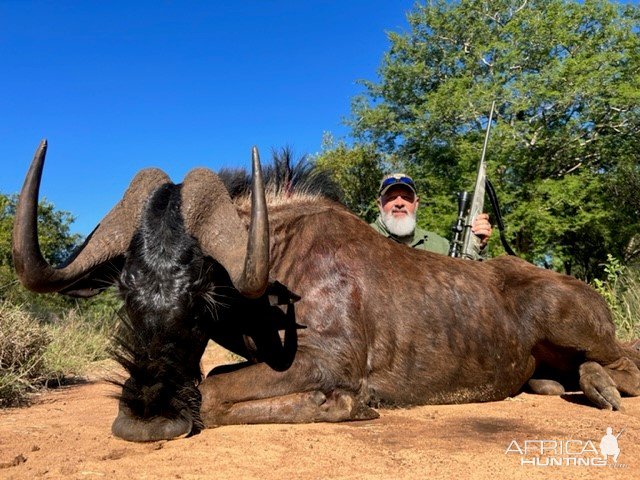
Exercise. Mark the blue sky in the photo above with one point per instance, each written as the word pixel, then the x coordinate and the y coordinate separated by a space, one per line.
pixel 117 86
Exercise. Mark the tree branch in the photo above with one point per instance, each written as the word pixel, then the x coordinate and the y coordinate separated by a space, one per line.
pixel 524 4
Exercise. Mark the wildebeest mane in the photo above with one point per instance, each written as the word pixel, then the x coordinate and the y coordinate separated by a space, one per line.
pixel 283 178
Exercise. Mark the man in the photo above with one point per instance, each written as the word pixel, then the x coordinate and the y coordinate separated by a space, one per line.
pixel 398 203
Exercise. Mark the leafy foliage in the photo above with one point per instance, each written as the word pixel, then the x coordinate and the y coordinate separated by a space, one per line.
pixel 56 242
pixel 564 75
pixel 356 170
pixel 621 289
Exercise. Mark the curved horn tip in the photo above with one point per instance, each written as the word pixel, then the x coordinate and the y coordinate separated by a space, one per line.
pixel 42 148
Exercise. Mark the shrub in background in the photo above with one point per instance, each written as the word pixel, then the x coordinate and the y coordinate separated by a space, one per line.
pixel 23 342
pixel 36 354
pixel 621 289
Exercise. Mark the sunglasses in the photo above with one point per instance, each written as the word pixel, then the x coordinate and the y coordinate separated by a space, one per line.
pixel 397 179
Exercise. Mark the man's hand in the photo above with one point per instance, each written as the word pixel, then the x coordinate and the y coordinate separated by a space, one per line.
pixel 482 228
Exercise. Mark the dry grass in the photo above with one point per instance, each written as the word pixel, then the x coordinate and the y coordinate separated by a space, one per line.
pixel 627 309
pixel 22 346
pixel 34 354
pixel 621 290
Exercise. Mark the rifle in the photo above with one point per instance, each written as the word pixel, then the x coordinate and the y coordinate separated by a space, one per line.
pixel 465 244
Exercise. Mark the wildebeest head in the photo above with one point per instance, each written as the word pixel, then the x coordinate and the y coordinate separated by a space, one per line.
pixel 166 246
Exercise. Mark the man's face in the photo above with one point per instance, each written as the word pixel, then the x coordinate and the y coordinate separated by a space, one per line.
pixel 398 202
pixel 398 208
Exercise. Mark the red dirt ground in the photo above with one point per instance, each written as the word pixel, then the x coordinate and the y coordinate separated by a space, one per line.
pixel 66 434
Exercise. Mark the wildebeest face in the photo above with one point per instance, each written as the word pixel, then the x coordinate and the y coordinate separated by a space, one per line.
pixel 158 238
pixel 161 339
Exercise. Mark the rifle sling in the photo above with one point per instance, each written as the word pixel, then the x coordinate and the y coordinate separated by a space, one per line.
pixel 493 198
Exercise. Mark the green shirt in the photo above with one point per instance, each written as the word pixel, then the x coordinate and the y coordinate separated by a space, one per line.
pixel 421 239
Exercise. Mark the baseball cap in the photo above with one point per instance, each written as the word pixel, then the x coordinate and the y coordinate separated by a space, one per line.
pixel 392 179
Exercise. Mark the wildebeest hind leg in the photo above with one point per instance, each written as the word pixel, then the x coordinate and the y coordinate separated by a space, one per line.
pixel 599 387
pixel 607 367
pixel 626 376
pixel 602 381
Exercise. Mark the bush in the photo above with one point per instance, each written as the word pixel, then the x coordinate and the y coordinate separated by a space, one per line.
pixel 22 345
pixel 35 354
pixel 621 290
pixel 45 338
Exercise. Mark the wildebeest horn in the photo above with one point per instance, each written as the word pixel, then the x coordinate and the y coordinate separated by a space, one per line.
pixel 109 239
pixel 212 218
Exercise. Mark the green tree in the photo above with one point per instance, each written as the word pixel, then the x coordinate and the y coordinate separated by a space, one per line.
pixel 565 77
pixel 56 241
pixel 357 171
pixel 54 231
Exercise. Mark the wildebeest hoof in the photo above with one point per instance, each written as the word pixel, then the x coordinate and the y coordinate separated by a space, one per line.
pixel 634 345
pixel 318 397
pixel 598 386
pixel 545 387
pixel 363 412
pixel 356 408
pixel 626 375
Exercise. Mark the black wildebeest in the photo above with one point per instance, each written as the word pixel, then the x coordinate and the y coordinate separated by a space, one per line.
pixel 332 317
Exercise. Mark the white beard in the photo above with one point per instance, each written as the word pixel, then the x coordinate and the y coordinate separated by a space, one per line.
pixel 400 227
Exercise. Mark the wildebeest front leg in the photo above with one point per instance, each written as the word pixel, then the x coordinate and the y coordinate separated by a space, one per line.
pixel 259 394
pixel 307 407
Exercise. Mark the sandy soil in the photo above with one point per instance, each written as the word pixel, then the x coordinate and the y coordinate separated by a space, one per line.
pixel 66 434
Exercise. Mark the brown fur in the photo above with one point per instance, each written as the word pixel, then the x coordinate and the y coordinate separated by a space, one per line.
pixel 397 326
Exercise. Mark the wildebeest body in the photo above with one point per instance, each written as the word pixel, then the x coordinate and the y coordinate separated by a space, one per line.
pixel 410 327
pixel 332 317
